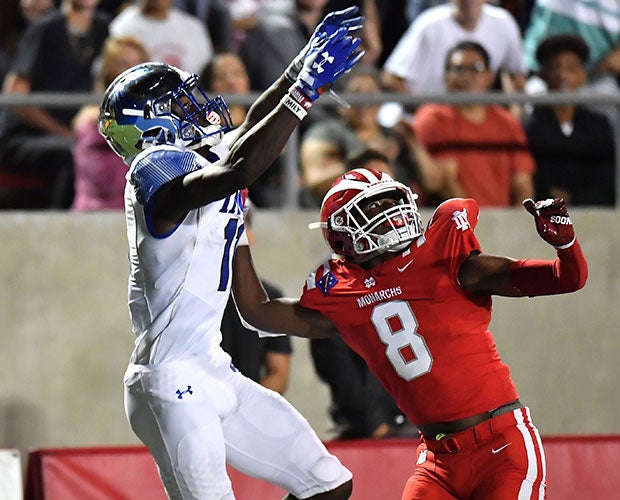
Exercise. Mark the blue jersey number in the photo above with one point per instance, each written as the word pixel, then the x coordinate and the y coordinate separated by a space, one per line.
pixel 232 233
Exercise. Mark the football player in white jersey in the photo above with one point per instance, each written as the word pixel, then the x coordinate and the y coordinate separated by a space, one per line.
pixel 184 210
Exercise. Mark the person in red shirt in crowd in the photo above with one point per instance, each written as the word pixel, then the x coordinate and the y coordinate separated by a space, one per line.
pixel 483 147
pixel 416 305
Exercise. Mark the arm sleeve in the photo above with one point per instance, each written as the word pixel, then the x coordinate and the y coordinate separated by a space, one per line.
pixel 567 273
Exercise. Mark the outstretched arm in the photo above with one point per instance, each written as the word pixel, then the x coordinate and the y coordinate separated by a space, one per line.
pixel 491 274
pixel 283 315
pixel 257 148
pixel 347 19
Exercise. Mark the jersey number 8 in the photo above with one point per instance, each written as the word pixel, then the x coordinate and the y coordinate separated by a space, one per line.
pixel 397 327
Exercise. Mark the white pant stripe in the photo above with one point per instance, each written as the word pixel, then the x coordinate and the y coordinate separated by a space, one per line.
pixel 526 429
pixel 543 485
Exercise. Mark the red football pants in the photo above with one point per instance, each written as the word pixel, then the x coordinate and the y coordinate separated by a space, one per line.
pixel 499 459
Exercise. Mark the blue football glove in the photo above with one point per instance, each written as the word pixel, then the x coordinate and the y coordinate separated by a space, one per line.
pixel 346 18
pixel 326 62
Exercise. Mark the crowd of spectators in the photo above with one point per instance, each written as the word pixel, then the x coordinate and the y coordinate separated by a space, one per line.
pixel 497 154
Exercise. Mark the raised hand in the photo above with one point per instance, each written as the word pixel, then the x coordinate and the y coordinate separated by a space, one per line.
pixel 347 19
pixel 326 62
pixel 553 223
pixel 333 21
pixel 323 65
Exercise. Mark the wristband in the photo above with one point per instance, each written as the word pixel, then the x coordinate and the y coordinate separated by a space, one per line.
pixel 300 96
pixel 297 101
pixel 293 106
pixel 564 247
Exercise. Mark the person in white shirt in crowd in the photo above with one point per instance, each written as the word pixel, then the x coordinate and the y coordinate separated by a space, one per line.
pixel 416 64
pixel 169 35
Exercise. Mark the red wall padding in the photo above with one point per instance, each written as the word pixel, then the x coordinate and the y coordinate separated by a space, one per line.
pixel 578 468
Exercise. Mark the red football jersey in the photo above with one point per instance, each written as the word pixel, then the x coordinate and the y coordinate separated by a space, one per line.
pixel 423 336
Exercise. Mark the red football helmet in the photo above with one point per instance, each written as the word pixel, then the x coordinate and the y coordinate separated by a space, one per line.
pixel 349 232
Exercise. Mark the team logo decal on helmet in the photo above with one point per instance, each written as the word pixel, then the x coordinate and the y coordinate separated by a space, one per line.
pixel 351 233
pixel 153 103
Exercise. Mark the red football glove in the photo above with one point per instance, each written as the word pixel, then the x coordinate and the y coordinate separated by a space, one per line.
pixel 552 221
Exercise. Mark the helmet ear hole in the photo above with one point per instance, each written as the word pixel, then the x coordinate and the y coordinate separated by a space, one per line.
pixel 148 111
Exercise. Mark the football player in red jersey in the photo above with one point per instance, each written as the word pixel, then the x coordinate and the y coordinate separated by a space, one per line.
pixel 416 305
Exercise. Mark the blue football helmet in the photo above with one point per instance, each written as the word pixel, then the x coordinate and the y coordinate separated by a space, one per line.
pixel 155 103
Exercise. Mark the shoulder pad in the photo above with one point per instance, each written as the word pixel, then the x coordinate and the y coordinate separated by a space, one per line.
pixel 156 166
pixel 463 211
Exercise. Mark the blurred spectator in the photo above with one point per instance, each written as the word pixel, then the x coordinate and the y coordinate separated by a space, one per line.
pixel 11 24
pixel 416 7
pixel 244 15
pixel 416 63
pixel 55 53
pixel 393 22
pixel 519 9
pixel 282 30
pixel 279 34
pixel 99 171
pixel 486 144
pixel 226 75
pixel 371 158
pixel 327 145
pixel 216 16
pixel 112 8
pixel 359 405
pixel 598 23
pixel 169 35
pixel 266 360
pixel 33 9
pixel 573 146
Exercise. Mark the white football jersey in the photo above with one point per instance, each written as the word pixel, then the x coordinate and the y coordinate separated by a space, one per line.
pixel 179 284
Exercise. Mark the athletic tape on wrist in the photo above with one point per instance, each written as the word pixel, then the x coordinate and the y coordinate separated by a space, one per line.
pixel 292 72
pixel 293 106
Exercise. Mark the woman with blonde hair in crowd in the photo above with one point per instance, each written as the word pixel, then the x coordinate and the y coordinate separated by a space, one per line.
pixel 99 171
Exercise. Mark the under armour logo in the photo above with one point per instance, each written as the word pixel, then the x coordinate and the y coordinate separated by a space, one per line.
pixel 318 65
pixel 460 218
pixel 368 282
pixel 186 391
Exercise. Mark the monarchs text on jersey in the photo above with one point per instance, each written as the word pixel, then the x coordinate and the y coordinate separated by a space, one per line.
pixel 419 332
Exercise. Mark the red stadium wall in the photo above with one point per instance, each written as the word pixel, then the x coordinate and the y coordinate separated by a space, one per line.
pixel 578 468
